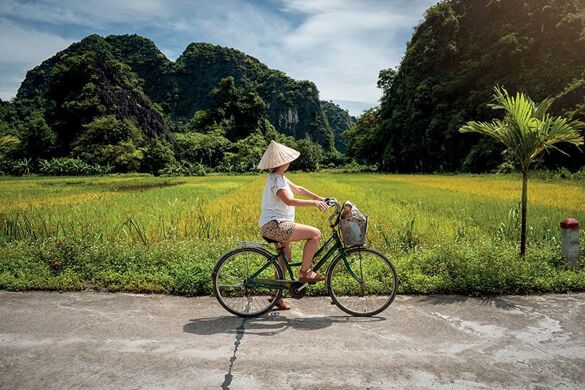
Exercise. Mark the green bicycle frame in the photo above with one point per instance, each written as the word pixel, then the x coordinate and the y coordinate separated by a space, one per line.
pixel 285 284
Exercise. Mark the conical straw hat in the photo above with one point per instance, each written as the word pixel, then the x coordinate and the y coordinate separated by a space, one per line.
pixel 276 155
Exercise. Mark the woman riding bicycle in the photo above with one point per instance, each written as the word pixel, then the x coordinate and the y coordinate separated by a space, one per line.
pixel 278 211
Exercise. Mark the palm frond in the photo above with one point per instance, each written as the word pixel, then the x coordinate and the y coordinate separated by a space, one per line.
pixel 542 108
pixel 527 128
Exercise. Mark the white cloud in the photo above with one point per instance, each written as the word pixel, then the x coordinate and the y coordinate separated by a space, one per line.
pixel 350 42
pixel 27 46
pixel 341 45
pixel 22 49
pixel 89 13
pixel 244 27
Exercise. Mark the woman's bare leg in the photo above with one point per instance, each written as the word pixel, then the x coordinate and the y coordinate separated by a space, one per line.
pixel 287 252
pixel 313 236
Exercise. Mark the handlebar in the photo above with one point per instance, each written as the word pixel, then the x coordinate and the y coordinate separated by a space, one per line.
pixel 333 202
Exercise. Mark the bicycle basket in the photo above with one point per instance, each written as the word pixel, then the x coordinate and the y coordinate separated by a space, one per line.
pixel 353 225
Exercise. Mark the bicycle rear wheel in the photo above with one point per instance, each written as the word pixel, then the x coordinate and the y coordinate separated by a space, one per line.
pixel 234 291
pixel 363 286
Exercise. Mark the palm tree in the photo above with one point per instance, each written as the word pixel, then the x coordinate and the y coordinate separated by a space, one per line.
pixel 526 130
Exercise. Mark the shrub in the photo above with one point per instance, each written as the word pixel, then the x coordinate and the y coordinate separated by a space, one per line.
pixel 310 158
pixel 108 140
pixel 67 166
pixel 245 155
pixel 157 153
pixel 183 168
pixel 354 167
pixel 21 167
pixel 203 148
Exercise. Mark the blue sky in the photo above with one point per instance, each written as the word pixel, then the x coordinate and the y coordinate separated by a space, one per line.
pixel 340 45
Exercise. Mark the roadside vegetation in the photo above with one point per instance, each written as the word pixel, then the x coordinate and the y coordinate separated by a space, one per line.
pixel 139 233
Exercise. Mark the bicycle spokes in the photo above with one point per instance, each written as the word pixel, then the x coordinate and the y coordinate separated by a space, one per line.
pixel 362 283
pixel 241 282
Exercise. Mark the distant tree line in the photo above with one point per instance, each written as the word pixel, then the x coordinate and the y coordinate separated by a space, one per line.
pixel 230 136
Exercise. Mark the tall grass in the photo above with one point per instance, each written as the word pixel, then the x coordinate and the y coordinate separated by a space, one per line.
pixel 143 233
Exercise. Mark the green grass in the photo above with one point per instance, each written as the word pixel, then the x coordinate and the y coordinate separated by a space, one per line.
pixel 445 234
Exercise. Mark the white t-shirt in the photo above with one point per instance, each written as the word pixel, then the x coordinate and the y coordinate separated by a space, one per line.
pixel 272 206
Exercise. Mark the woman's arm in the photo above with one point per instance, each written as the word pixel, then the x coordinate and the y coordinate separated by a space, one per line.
pixel 290 200
pixel 303 191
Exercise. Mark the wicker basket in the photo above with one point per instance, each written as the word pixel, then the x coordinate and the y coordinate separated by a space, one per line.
pixel 353 225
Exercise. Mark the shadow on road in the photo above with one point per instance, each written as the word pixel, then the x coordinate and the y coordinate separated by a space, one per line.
pixel 267 325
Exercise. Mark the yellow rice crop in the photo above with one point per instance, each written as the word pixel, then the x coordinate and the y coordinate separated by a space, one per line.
pixel 549 194
pixel 427 209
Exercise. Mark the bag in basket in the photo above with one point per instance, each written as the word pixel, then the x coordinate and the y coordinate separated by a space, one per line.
pixel 353 225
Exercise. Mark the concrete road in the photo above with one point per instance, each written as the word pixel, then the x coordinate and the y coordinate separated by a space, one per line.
pixel 97 340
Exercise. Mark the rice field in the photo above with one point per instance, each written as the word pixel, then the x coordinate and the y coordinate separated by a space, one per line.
pixel 163 234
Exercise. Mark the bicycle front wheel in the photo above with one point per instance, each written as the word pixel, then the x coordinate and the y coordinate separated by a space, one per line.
pixel 364 284
pixel 234 289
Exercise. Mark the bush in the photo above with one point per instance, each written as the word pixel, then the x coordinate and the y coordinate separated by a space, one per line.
pixel 157 154
pixel 108 140
pixel 335 159
pixel 560 173
pixel 354 167
pixel 203 148
pixel 245 155
pixel 183 168
pixel 67 166
pixel 310 158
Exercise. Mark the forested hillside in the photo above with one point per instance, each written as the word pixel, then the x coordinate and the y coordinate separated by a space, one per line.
pixel 452 62
pixel 339 121
pixel 117 100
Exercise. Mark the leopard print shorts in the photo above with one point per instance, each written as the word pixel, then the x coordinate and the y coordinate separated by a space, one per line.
pixel 280 231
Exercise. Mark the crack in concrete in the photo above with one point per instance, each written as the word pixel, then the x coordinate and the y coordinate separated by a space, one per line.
pixel 240 330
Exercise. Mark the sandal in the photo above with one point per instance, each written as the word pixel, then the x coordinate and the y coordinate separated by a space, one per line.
pixel 280 304
pixel 310 276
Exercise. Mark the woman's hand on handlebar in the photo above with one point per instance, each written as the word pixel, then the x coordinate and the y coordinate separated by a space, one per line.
pixel 330 201
pixel 321 205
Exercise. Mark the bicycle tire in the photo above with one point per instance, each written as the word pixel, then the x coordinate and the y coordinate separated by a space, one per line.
pixel 257 300
pixel 379 276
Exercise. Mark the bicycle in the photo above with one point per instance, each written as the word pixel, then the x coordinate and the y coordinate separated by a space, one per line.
pixel 248 280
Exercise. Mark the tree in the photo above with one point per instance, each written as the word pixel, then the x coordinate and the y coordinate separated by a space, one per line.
pixel 40 140
pixel 385 79
pixel 310 158
pixel 243 112
pixel 363 138
pixel 203 148
pixel 124 156
pixel 108 140
pixel 526 130
pixel 244 154
pixel 7 145
pixel 157 153
pixel 7 142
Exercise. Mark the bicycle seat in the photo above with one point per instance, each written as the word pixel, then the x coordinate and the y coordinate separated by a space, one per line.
pixel 270 240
